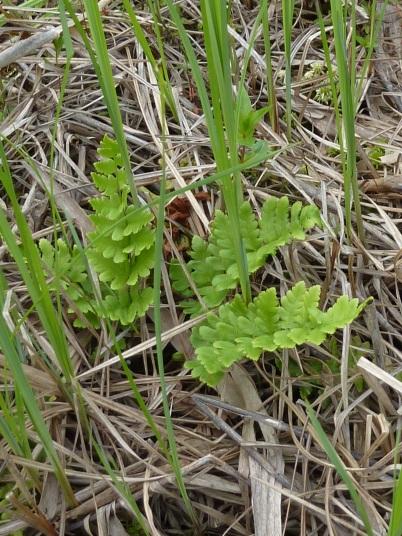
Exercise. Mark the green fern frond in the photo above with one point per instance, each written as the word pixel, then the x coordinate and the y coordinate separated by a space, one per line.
pixel 68 273
pixel 266 324
pixel 212 266
pixel 281 223
pixel 121 247
pixel 67 267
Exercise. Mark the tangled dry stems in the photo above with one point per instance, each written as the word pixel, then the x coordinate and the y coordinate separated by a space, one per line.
pixel 222 450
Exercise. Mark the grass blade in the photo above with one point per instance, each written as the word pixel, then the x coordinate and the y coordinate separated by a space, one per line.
pixel 287 20
pixel 173 458
pixel 33 276
pixel 347 91
pixel 106 81
pixel 340 468
pixel 220 122
pixel 21 384
pixel 273 111
pixel 395 525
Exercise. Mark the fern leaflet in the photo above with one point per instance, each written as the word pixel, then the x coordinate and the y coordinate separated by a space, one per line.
pixel 267 324
pixel 69 275
pixel 212 266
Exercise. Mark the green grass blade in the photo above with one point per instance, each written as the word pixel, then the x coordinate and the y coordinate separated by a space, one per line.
pixel 10 429
pixel 340 469
pixel 352 54
pixel 217 48
pixel 161 74
pixel 347 91
pixel 330 70
pixel 33 275
pixel 68 43
pixel 287 21
pixel 220 122
pixel 174 457
pixel 106 81
pixel 10 421
pixel 273 111
pixel 395 525
pixel 122 489
pixel 21 383
pixel 143 407
pixel 246 60
pixel 197 74
pixel 375 27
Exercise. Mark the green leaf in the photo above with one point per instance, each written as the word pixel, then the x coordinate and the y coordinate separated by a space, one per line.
pixel 198 371
pixel 68 273
pixel 266 324
pixel 121 250
pixel 121 246
pixel 125 306
pixel 248 118
pixel 213 268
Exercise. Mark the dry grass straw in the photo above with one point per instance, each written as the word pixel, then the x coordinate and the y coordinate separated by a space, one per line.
pixel 218 449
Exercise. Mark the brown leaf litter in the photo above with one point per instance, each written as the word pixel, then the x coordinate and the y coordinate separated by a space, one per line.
pixel 243 476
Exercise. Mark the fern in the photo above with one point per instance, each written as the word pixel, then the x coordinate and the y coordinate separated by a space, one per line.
pixel 122 244
pixel 121 247
pixel 69 275
pixel 266 324
pixel 121 251
pixel 212 266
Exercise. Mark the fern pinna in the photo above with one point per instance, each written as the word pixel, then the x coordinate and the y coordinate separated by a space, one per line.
pixel 121 248
pixel 69 276
pixel 240 331
pixel 212 267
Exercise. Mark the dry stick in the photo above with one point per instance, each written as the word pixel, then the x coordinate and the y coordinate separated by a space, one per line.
pixel 30 44
pixel 370 369
pixel 150 343
pixel 220 423
pixel 278 425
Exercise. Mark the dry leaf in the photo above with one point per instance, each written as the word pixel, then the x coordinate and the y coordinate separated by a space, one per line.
pixel 384 185
pixel 240 391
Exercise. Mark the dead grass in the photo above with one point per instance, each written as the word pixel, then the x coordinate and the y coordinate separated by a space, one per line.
pixel 244 474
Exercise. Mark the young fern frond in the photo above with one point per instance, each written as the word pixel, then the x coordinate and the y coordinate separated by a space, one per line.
pixel 240 331
pixel 121 248
pixel 68 274
pixel 212 266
